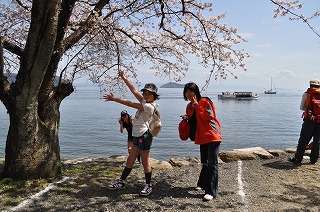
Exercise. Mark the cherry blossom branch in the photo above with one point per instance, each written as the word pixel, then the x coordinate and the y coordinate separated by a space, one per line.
pixel 288 10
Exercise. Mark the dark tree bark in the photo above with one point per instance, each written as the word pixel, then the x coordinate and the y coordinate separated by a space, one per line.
pixel 33 101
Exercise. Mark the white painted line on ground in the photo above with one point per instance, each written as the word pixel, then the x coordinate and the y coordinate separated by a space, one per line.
pixel 38 195
pixel 241 192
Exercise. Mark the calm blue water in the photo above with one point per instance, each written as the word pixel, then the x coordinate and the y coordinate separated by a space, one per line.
pixel 89 125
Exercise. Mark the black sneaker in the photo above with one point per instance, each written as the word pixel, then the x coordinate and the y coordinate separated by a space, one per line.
pixel 117 185
pixel 294 160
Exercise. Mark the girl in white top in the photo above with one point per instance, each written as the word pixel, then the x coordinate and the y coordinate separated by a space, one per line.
pixel 142 139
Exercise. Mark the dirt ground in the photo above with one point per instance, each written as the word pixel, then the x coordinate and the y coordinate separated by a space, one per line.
pixel 255 185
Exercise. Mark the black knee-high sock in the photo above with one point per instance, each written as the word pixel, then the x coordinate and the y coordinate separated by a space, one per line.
pixel 148 177
pixel 126 171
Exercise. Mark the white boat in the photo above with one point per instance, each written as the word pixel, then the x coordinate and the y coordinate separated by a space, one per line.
pixel 238 95
pixel 271 91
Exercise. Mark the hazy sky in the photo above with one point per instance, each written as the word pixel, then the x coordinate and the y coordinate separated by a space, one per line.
pixel 286 50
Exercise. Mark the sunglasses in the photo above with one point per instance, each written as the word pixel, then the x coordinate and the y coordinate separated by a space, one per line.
pixel 124 112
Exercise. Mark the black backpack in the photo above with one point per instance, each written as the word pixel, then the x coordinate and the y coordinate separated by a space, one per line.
pixel 193 125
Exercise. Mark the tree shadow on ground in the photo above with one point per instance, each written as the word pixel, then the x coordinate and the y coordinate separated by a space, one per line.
pixel 295 198
pixel 83 195
pixel 308 197
pixel 280 164
pixel 88 191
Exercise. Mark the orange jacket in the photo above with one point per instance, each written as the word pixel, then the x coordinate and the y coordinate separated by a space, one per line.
pixel 208 126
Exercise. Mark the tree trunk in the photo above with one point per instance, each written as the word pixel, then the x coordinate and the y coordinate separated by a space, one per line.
pixel 32 148
pixel 33 99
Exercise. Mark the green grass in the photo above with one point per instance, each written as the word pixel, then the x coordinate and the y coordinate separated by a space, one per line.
pixel 95 174
pixel 12 192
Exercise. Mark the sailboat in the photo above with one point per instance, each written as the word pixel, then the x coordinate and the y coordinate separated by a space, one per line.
pixel 271 91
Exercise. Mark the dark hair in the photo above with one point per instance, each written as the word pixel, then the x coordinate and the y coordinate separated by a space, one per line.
pixel 155 95
pixel 314 86
pixel 191 86
pixel 124 112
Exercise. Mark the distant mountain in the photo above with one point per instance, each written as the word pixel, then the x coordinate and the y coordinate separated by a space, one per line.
pixel 12 78
pixel 172 85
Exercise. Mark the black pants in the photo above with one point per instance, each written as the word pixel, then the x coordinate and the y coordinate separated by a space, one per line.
pixel 308 129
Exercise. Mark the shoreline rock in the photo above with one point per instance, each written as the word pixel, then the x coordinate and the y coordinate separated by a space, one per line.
pixel 252 153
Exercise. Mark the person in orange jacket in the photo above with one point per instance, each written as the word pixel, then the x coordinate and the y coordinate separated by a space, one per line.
pixel 311 124
pixel 208 136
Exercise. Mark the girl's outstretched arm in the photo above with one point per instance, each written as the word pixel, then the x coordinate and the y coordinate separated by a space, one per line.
pixel 133 90
pixel 111 97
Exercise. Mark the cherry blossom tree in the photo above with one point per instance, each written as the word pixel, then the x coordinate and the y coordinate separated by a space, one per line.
pixel 40 40
pixel 289 8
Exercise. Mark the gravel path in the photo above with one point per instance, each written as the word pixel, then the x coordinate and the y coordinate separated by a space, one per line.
pixel 257 185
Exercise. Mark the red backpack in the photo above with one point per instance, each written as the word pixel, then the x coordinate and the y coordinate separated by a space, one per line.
pixel 184 129
pixel 313 110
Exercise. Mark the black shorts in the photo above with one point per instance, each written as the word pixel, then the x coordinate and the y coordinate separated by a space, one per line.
pixel 143 142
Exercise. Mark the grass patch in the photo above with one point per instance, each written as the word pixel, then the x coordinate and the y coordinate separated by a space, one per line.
pixel 96 174
pixel 67 189
pixel 12 192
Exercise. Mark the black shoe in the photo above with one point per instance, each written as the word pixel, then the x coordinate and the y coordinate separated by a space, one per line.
pixel 294 160
pixel 312 162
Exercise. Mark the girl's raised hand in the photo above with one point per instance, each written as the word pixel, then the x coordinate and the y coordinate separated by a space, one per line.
pixel 121 74
pixel 194 102
pixel 109 97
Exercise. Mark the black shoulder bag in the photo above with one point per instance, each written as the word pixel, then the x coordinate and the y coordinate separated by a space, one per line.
pixel 193 126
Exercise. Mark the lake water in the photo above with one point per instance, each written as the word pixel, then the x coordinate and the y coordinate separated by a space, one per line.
pixel 89 125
